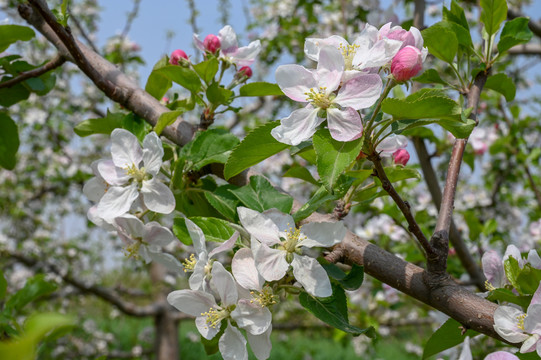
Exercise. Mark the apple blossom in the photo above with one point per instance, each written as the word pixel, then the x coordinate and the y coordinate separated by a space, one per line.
pixel 212 43
pixel 407 63
pixel 94 189
pixel 209 316
pixel 245 71
pixel 493 265
pixel 466 354
pixel 273 228
pixel 401 157
pixel 177 56
pixel 317 88
pixel 133 172
pixel 391 144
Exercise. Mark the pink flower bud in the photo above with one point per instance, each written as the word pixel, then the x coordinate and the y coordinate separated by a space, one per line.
pixel 176 56
pixel 245 71
pixel 212 43
pixel 401 157
pixel 407 63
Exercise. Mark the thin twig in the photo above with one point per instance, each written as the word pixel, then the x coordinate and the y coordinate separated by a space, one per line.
pixel 55 62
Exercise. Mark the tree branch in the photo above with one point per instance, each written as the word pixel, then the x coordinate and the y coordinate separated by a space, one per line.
pixel 55 62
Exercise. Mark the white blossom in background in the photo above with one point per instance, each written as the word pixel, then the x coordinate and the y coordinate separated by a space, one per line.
pixel 277 245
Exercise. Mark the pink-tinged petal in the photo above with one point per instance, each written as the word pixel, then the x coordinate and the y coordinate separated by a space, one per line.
pixel 259 226
pixel 312 46
pixel 130 225
pixel 117 201
pixel 198 43
pixel 157 197
pixel 152 153
pixel 206 331
pixel 156 234
pixel 245 56
pixel 191 302
pixel 379 55
pixel 226 245
pixel 260 344
pixel 390 144
pixel 538 348
pixel 232 344
pixel 534 259
pixel 245 272
pixel 283 221
pixel 323 234
pixel 367 38
pixel 112 174
pixel 529 344
pixel 270 263
pixel 225 284
pixel 311 275
pixel 501 355
pixel 536 299
pixel 514 252
pixel 532 323
pixel 330 68
pixel 295 81
pixel 125 148
pixel 418 38
pixel 505 324
pixel 167 260
pixel 95 188
pixel 251 317
pixel 465 354
pixel 493 268
pixel 228 39
pixel 360 92
pixel 298 126
pixel 198 238
pixel 344 125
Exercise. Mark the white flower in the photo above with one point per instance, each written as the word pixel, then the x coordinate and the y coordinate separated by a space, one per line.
pixel 273 228
pixel 94 189
pixel 390 144
pixel 317 88
pixel 201 262
pixel 146 240
pixel 209 316
pixel 465 354
pixel 132 172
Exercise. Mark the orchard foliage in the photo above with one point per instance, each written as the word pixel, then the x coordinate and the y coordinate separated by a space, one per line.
pixel 241 228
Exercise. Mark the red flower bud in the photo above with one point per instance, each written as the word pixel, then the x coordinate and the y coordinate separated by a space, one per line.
pixel 401 157
pixel 212 43
pixel 407 63
pixel 245 71
pixel 176 56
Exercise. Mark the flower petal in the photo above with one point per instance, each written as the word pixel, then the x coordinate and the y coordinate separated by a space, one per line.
pixel 344 125
pixel 465 354
pixel 534 259
pixel 225 284
pixel 295 81
pixel 493 268
pixel 198 43
pixel 298 126
pixel 501 355
pixel 378 55
pixel 260 344
pixel 251 317
pixel 112 174
pixel 191 302
pixel 198 238
pixel 513 251
pixel 245 56
pixel 360 92
pixel 390 144
pixel 284 221
pixel 311 275
pixel 532 323
pixel 125 149
pixel 167 260
pixel 232 344
pixel 270 263
pixel 505 324
pixel 312 46
pixel 198 279
pixel 259 226
pixel 536 298
pixel 330 68
pixel 323 234
pixel 226 245
pixel 156 234
pixel 244 270
pixel 206 331
pixel 117 201
pixel 152 153
pixel 529 344
pixel 130 225
pixel 228 39
pixel 157 197
pixel 95 188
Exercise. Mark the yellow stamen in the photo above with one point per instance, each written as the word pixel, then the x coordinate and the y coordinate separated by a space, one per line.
pixel 520 319
pixel 189 263
pixel 135 172
pixel 348 52
pixel 265 298
pixel 215 317
pixel 489 286
pixel 319 97
pixel 133 250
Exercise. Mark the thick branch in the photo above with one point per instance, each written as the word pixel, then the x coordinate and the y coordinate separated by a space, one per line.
pixel 102 292
pixel 55 62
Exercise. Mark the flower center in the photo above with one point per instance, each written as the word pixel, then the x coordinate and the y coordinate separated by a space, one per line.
pixel 319 98
pixel 489 286
pixel 293 238
pixel 520 323
pixel 348 52
pixel 135 172
pixel 265 298
pixel 189 263
pixel 132 250
pixel 215 316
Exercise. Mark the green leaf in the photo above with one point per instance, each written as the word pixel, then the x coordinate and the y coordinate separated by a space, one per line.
pixel 300 172
pixel 257 146
pixel 224 201
pixel 508 296
pixel 34 288
pixel 211 146
pixel 136 125
pixel 360 175
pixel 515 32
pixel 456 15
pixel 207 69
pixel 158 84
pixel 441 42
pixel 493 13
pixel 216 230
pixel 185 77
pixel 9 142
pixel 490 227
pixel 397 173
pixel 218 95
pixel 333 157
pixel 474 225
pixel 104 125
pixel 430 76
pixel 260 89
pixel 260 195
pixel 14 94
pixel 512 270
pixel 333 311
pixel 349 281
pixel 166 119
pixel 3 285
pixel 502 84
pixel 528 279
pixel 447 336
pixel 429 107
pixel 10 34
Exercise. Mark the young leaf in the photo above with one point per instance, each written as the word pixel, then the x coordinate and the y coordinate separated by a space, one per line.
pixel 104 125
pixel 333 157
pixel 14 94
pixel 430 107
pixel 257 146
pixel 430 76
pixel 186 78
pixel 224 201
pixel 211 146
pixel 9 142
pixel 509 296
pixel 207 69
pixel 166 119
pixel 216 230
pixel 158 84
pixel 260 195
pixel 34 288
pixel 10 34
pixel 502 84
pixel 300 172
pixel 349 281
pixel 260 89
pixel 218 95
pixel 441 42
pixel 515 32
pixel 448 335
pixel 493 13
pixel 397 173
